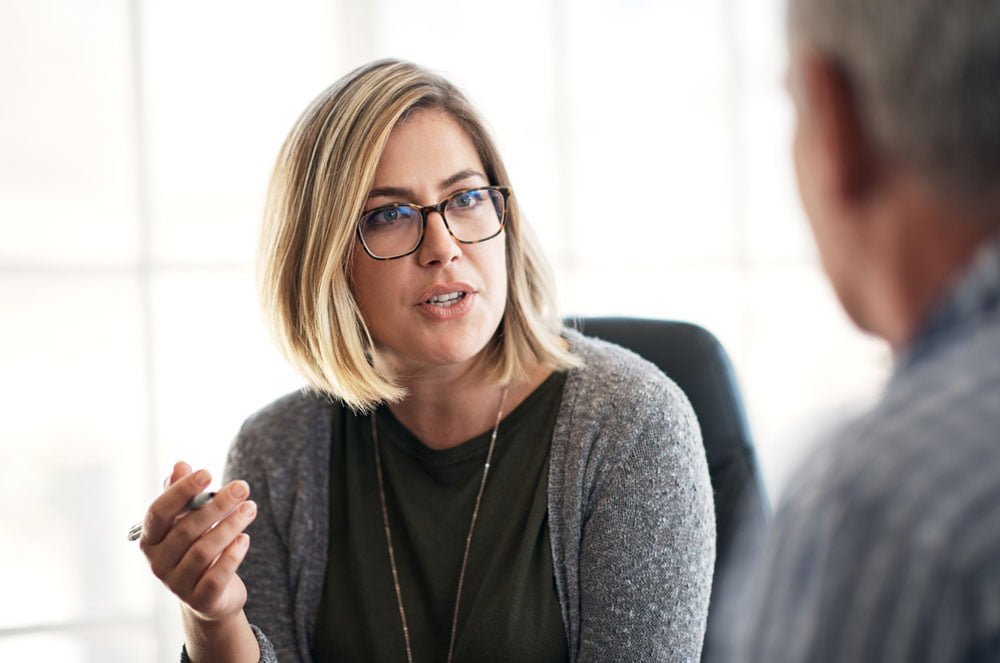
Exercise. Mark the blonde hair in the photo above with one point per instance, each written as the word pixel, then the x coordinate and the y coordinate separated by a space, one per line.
pixel 321 181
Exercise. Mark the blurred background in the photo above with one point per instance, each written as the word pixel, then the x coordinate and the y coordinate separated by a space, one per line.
pixel 648 143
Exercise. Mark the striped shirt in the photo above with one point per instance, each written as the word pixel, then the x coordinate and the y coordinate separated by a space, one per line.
pixel 886 546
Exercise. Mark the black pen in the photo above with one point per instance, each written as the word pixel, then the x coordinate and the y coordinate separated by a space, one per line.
pixel 195 502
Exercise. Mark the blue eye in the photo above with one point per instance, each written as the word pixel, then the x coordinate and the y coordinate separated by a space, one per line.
pixel 469 199
pixel 389 216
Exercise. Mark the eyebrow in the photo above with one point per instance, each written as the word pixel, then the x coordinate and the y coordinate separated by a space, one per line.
pixel 403 192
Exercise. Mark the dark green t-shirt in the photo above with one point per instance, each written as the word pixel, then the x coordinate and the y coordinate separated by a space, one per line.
pixel 509 608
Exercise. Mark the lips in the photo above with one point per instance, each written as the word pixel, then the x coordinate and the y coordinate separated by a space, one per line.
pixel 445 294
pixel 447 301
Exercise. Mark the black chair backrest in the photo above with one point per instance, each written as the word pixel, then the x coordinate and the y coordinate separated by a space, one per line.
pixel 697 362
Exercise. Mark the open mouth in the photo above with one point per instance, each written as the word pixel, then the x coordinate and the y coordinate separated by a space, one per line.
pixel 446 299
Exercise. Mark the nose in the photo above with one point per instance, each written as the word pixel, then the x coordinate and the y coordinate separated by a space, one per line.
pixel 438 247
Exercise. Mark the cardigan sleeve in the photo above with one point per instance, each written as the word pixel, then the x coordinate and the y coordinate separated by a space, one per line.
pixel 267 654
pixel 647 544
pixel 264 570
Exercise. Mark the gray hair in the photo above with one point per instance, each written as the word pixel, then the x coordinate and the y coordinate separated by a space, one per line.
pixel 927 73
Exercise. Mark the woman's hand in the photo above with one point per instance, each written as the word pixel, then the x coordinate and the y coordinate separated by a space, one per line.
pixel 196 554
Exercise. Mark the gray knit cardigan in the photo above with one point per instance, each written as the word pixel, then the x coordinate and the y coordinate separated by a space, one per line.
pixel 630 514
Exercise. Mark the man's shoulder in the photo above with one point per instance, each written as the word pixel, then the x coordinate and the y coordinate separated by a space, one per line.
pixel 950 398
pixel 963 369
pixel 917 468
pixel 901 500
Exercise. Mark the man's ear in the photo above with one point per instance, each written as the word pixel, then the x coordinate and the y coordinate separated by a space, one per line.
pixel 834 105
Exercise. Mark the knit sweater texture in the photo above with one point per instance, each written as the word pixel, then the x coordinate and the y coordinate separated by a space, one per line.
pixel 630 513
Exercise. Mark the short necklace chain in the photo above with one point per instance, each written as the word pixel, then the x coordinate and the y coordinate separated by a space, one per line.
pixel 468 538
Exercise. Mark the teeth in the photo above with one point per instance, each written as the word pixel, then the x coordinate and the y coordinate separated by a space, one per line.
pixel 445 299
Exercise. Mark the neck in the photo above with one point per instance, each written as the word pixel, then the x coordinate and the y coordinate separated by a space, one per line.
pixel 925 244
pixel 443 411
pixel 448 406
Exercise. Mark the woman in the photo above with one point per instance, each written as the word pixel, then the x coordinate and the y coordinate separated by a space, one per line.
pixel 466 480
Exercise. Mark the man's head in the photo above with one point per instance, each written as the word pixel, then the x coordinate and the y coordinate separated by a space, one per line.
pixel 897 145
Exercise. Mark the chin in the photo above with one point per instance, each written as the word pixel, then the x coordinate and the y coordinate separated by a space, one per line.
pixel 852 305
pixel 437 349
pixel 456 351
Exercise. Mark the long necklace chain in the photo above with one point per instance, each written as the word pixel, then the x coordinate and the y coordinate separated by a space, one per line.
pixel 468 538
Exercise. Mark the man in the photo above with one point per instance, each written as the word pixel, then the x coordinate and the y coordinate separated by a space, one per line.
pixel 886 546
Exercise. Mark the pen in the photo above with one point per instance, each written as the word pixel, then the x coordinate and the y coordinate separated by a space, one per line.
pixel 196 502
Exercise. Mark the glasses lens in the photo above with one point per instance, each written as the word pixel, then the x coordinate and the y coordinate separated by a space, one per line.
pixel 390 231
pixel 475 215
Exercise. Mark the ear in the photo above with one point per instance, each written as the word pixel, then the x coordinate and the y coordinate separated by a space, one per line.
pixel 832 104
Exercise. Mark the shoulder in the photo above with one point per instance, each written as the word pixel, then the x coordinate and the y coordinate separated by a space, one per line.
pixel 621 415
pixel 941 411
pixel 920 469
pixel 938 417
pixel 296 409
pixel 880 507
pixel 282 450
pixel 895 499
pixel 616 384
pixel 284 427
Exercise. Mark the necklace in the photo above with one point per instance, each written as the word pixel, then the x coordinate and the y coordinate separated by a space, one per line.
pixel 468 538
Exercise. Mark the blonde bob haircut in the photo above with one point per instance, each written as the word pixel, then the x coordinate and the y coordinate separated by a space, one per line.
pixel 320 185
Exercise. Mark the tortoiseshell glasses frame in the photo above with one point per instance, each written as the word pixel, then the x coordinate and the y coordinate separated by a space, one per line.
pixel 399 218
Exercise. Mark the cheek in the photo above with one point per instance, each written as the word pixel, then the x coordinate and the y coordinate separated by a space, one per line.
pixel 799 159
pixel 807 178
pixel 364 278
pixel 818 204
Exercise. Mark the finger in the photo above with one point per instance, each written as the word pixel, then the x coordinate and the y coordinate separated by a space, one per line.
pixel 187 530
pixel 179 471
pixel 164 510
pixel 207 549
pixel 214 581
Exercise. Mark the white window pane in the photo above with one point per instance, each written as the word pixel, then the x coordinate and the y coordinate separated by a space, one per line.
pixel 712 296
pixel 653 148
pixel 222 91
pixel 126 643
pixel 73 460
pixel 67 167
pixel 215 364
pixel 776 229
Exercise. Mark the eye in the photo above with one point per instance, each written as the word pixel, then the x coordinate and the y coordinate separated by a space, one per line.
pixel 386 217
pixel 468 199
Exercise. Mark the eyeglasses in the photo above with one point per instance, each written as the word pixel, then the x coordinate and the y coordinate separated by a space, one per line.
pixel 471 216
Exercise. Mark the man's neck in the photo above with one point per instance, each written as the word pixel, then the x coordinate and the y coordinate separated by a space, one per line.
pixel 926 245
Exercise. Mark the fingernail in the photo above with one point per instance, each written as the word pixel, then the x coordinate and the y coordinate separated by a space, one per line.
pixel 244 539
pixel 247 509
pixel 240 489
pixel 202 477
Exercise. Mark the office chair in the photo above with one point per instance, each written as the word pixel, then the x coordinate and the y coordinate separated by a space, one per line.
pixel 697 362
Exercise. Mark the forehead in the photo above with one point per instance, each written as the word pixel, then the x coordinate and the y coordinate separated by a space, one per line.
pixel 424 149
